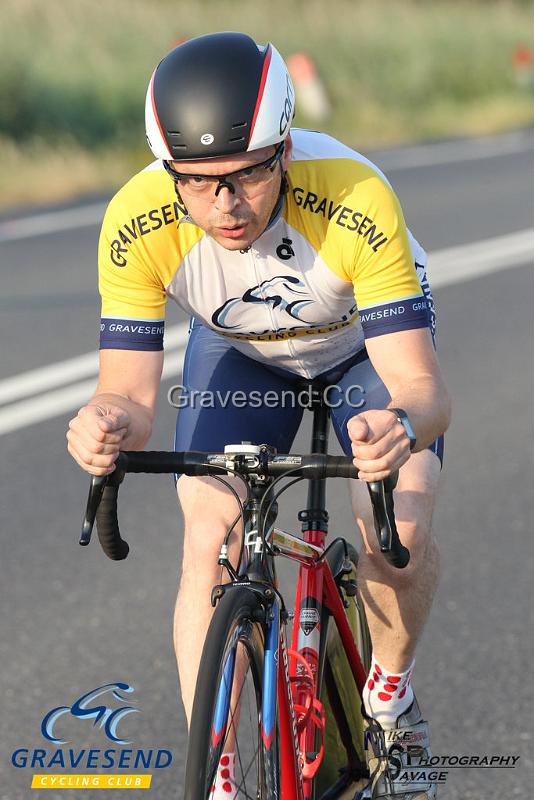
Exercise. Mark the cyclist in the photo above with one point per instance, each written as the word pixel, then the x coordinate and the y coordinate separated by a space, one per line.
pixel 290 252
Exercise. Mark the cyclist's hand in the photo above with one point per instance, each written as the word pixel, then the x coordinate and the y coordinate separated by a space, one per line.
pixel 380 445
pixel 95 436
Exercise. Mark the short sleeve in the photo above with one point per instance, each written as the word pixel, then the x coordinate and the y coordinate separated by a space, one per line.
pixel 386 287
pixel 133 297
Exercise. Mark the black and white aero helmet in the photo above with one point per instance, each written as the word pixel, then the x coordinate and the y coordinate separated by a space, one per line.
pixel 216 95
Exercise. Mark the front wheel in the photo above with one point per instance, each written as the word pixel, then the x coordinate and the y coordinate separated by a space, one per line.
pixel 226 724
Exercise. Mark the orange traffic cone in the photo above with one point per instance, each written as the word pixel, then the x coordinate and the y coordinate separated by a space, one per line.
pixel 310 90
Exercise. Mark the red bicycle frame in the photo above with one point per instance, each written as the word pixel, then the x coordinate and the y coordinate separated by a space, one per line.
pixel 300 709
pixel 316 588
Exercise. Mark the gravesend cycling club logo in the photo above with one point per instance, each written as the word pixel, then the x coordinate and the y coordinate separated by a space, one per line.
pixel 84 709
pixel 106 710
pixel 270 293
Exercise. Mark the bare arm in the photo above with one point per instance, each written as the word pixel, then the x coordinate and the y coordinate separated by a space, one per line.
pixel 407 364
pixel 119 416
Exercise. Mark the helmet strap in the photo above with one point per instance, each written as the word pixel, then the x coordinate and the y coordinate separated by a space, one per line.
pixel 284 184
pixel 179 196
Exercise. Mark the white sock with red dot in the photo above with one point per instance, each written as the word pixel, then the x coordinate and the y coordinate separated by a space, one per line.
pixel 224 787
pixel 387 695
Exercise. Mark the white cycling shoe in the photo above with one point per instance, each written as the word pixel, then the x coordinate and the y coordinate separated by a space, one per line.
pixel 398 759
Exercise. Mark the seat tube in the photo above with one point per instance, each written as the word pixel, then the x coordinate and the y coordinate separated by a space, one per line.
pixel 306 639
pixel 307 627
pixel 306 634
pixel 292 786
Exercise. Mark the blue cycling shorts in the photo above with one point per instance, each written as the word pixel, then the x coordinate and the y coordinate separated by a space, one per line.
pixel 228 398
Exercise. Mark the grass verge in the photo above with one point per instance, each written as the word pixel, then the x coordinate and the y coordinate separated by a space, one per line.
pixel 73 76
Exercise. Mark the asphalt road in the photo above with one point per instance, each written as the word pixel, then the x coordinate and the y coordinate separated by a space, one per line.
pixel 73 621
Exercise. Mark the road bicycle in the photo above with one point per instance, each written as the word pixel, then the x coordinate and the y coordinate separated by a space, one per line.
pixel 286 721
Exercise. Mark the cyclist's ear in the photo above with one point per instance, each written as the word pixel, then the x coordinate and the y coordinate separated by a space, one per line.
pixel 288 151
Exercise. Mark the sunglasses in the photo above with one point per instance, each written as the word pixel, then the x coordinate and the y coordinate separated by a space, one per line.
pixel 247 179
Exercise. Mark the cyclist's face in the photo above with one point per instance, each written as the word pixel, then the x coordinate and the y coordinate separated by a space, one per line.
pixel 234 220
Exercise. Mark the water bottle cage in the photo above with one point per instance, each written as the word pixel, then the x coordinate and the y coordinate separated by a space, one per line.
pixel 308 711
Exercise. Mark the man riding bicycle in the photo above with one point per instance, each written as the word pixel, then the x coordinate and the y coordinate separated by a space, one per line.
pixel 290 252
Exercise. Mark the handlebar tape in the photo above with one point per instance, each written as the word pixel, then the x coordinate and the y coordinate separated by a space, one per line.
pixel 194 463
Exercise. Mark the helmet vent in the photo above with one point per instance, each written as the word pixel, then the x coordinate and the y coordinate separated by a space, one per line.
pixel 237 139
pixel 239 125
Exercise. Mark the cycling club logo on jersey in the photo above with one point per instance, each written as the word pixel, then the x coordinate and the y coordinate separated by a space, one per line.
pixel 271 293
pixel 90 707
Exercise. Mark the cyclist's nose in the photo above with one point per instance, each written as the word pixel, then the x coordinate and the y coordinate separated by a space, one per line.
pixel 225 200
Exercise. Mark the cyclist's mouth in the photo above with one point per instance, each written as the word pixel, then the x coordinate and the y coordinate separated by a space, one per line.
pixel 235 232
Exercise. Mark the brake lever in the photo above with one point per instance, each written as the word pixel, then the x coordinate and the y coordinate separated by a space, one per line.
pixel 96 490
pixel 381 493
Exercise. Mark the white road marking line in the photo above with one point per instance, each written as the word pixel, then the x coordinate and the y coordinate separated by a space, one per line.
pixel 37 380
pixel 423 155
pixel 52 222
pixel 447 266
pixel 60 401
pixel 73 369
pixel 437 154
pixel 458 264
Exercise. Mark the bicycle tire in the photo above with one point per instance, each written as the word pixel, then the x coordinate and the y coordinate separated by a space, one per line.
pixel 233 629
pixel 343 763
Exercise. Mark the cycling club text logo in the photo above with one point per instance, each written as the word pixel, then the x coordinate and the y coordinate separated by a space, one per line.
pixel 91 706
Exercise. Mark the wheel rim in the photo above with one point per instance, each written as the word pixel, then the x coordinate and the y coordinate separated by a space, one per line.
pixel 236 723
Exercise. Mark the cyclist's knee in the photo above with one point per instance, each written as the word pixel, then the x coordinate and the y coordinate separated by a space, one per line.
pixel 209 509
pixel 206 499
pixel 416 535
pixel 414 505
pixel 424 554
pixel 415 498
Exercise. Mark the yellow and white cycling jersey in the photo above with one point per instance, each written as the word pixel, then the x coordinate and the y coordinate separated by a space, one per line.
pixel 336 265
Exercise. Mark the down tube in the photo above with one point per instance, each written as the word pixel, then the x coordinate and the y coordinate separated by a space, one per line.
pixel 291 775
